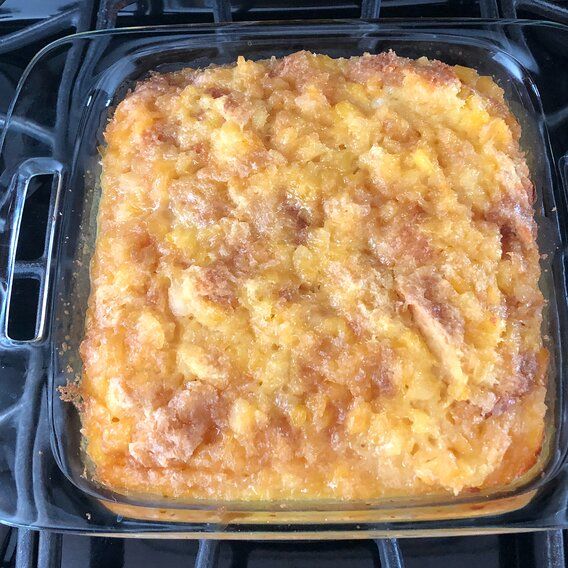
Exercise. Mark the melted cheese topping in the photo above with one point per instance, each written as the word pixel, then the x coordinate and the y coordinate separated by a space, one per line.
pixel 314 277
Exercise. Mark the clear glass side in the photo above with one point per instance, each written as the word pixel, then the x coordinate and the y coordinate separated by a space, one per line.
pixel 496 63
pixel 106 66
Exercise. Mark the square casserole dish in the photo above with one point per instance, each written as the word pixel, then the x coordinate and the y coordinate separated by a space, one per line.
pixel 55 131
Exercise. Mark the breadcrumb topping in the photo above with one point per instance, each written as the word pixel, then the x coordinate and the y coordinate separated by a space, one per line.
pixel 314 277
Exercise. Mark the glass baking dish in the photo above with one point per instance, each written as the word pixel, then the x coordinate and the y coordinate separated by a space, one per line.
pixel 65 98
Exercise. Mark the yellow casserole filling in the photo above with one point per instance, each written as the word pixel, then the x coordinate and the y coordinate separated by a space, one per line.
pixel 314 278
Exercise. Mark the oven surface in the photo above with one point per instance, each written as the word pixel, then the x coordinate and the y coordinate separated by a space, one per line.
pixel 27 27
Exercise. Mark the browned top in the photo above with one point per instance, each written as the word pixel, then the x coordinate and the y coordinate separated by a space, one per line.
pixel 314 277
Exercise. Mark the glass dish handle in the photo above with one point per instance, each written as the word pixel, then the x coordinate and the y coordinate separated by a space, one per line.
pixel 11 212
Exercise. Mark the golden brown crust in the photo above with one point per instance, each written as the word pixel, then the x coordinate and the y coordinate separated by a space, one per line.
pixel 314 278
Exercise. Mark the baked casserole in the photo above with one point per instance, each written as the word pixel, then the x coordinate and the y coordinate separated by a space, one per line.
pixel 314 278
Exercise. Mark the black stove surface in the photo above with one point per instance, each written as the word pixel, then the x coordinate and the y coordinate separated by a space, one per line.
pixel 26 549
pixel 28 25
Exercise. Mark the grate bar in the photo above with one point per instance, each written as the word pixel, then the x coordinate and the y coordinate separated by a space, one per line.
pixel 488 9
pixel 108 10
pixel 26 551
pixel 49 550
pixel 38 31
pixel 549 549
pixel 546 9
pixel 508 8
pixel 29 128
pixel 208 554
pixel 87 15
pixel 221 11
pixel 29 269
pixel 5 538
pixel 389 553
pixel 370 9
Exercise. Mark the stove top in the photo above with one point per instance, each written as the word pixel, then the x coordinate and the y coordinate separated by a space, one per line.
pixel 29 549
pixel 25 27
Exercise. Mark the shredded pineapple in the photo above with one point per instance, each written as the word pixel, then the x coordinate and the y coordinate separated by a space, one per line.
pixel 313 278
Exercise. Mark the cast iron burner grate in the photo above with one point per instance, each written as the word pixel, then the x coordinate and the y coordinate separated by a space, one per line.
pixel 24 29
pixel 29 549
